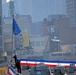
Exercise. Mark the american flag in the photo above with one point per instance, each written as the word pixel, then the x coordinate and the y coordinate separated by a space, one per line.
pixel 12 71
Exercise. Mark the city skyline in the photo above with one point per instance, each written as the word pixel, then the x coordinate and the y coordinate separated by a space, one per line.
pixel 37 9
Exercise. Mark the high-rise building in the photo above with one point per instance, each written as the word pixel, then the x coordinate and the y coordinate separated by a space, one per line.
pixel 71 11
pixel 37 28
pixel 1 37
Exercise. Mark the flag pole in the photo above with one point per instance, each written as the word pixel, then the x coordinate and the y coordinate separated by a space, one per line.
pixel 15 30
pixel 12 37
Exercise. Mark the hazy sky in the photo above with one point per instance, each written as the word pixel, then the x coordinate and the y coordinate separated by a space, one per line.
pixel 38 9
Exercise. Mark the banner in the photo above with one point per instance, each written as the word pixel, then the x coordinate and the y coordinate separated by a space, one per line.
pixel 26 40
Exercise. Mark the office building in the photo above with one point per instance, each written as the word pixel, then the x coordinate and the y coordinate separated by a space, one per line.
pixel 71 11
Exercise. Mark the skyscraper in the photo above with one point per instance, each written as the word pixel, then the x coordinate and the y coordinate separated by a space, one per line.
pixel 71 11
pixel 1 37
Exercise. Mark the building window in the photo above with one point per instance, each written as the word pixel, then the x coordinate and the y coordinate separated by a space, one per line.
pixel 33 43
pixel 0 31
pixel 37 43
pixel 42 43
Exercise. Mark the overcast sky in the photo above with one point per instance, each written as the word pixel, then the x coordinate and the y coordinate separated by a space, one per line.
pixel 38 9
